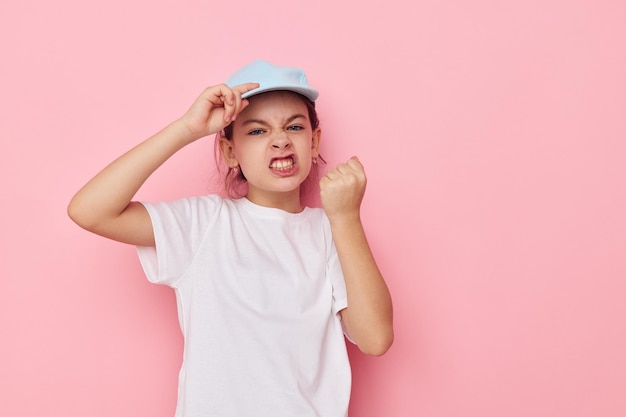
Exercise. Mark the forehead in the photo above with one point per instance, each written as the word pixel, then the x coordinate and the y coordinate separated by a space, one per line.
pixel 274 105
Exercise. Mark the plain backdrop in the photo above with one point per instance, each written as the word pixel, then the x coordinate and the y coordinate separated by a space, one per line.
pixel 493 134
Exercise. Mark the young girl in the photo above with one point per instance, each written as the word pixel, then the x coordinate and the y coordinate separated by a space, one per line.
pixel 266 288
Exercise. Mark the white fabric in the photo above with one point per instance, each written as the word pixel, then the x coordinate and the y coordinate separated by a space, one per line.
pixel 259 292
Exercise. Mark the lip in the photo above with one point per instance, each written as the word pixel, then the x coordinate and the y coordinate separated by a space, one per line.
pixel 281 157
pixel 284 172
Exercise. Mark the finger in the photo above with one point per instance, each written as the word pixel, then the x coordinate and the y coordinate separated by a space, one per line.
pixel 356 167
pixel 235 103
pixel 242 103
pixel 244 88
pixel 236 107
pixel 229 100
pixel 344 169
pixel 223 96
pixel 355 164
pixel 220 92
pixel 332 174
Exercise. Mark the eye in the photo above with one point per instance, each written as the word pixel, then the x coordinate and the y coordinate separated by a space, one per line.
pixel 255 132
pixel 295 127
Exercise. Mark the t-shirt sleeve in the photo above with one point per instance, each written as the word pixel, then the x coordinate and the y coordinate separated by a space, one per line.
pixel 333 268
pixel 334 271
pixel 340 297
pixel 179 227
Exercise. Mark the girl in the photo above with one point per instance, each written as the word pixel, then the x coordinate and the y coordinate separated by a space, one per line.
pixel 266 288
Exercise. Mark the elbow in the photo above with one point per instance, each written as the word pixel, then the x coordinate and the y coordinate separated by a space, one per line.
pixel 74 213
pixel 80 215
pixel 377 346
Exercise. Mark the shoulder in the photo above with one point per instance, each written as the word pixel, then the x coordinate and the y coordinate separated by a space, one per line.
pixel 187 203
pixel 317 219
pixel 188 210
pixel 318 215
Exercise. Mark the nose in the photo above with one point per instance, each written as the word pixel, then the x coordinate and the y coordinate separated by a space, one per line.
pixel 281 141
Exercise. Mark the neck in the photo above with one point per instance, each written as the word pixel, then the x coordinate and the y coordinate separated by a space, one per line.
pixel 288 201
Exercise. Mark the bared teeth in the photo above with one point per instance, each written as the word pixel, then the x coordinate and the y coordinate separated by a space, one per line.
pixel 282 164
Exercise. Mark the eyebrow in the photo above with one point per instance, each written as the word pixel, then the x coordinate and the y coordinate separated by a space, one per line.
pixel 263 122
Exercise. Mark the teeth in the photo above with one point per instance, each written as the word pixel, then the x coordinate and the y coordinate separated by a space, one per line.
pixel 282 164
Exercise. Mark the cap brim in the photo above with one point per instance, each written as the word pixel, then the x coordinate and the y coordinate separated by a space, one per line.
pixel 309 93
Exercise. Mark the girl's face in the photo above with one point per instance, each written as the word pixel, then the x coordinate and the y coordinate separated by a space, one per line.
pixel 273 144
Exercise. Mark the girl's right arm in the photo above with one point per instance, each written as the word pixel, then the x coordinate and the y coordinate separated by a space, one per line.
pixel 104 205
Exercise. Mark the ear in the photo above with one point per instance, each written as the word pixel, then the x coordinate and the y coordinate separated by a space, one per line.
pixel 227 151
pixel 315 142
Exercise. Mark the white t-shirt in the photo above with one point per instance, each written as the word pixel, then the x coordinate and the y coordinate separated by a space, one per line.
pixel 259 292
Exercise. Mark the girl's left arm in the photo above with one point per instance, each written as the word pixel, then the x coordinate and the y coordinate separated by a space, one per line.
pixel 369 315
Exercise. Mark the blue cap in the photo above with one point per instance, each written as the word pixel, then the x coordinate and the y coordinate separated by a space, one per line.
pixel 272 78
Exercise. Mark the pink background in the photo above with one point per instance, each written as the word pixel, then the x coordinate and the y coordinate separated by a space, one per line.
pixel 494 137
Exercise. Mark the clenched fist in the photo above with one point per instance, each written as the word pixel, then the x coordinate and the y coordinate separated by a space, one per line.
pixel 342 189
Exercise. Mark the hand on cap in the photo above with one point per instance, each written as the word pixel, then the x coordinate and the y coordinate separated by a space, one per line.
pixel 215 109
pixel 342 189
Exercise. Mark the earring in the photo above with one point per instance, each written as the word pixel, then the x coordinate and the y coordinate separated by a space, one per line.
pixel 235 169
pixel 314 160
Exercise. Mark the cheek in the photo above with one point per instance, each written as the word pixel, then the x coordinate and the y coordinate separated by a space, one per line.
pixel 243 149
pixel 250 157
pixel 306 161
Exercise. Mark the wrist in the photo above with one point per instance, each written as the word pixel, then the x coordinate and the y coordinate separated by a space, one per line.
pixel 345 219
pixel 181 131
